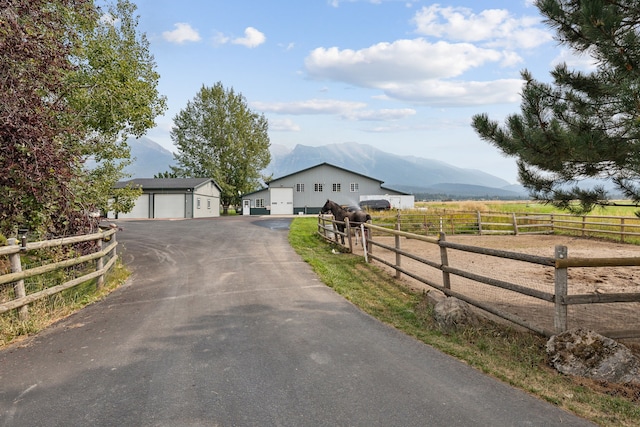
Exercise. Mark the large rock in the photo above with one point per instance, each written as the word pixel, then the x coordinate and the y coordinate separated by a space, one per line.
pixel 452 313
pixel 586 353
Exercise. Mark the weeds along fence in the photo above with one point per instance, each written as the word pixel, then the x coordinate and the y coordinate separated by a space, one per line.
pixel 36 270
pixel 623 229
pixel 532 291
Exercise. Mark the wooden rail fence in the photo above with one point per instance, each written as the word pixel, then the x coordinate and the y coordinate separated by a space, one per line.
pixel 104 256
pixel 623 229
pixel 559 299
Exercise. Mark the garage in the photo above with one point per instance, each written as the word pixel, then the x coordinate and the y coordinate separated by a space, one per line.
pixel 169 206
pixel 281 201
pixel 140 209
pixel 172 198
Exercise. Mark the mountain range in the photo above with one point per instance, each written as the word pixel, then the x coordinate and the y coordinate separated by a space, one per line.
pixel 426 178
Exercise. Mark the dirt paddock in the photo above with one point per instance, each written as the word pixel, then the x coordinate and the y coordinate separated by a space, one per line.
pixel 594 280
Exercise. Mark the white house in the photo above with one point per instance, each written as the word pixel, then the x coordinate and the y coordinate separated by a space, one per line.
pixel 306 191
pixel 173 198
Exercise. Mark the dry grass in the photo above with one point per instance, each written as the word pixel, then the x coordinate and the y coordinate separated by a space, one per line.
pixel 47 311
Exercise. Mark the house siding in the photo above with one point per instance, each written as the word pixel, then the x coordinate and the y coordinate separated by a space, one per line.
pixel 206 201
pixel 317 184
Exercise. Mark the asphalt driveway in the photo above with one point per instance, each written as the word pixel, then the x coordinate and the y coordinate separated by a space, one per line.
pixel 222 324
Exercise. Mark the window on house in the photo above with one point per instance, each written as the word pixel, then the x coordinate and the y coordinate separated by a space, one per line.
pixel 208 203
pixel 353 187
pixel 259 203
pixel 198 202
pixel 336 187
pixel 300 188
pixel 318 188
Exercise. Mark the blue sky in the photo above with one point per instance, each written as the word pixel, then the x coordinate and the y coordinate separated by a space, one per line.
pixel 404 76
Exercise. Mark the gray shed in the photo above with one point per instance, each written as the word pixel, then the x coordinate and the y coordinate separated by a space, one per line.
pixel 173 198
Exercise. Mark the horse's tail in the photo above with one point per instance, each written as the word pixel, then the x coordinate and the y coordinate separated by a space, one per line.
pixel 368 217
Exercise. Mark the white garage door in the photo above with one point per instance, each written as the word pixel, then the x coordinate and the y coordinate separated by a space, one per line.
pixel 168 206
pixel 281 201
pixel 140 210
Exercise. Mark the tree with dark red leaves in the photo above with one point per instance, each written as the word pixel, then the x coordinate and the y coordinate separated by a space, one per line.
pixel 74 82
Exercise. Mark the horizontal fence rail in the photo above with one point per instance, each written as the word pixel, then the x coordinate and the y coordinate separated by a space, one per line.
pixel 104 256
pixel 623 229
pixel 555 298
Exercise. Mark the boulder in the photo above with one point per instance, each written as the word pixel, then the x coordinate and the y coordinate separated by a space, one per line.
pixel 585 353
pixel 452 313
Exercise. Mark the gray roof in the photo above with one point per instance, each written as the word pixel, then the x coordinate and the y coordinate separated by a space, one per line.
pixel 333 166
pixel 166 183
pixel 319 165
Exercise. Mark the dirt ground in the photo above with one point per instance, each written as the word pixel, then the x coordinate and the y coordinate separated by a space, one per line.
pixel 600 280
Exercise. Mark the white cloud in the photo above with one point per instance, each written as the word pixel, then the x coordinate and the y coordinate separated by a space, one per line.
pixel 287 47
pixel 183 33
pixel 283 125
pixel 312 106
pixel 493 27
pixel 457 93
pixel 583 61
pixel 348 110
pixel 220 39
pixel 433 69
pixel 402 60
pixel 252 38
pixel 383 115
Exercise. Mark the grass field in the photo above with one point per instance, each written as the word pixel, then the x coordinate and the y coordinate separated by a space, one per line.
pixel 523 206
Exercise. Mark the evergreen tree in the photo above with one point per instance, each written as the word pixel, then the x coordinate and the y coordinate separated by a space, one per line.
pixel 585 124
pixel 219 137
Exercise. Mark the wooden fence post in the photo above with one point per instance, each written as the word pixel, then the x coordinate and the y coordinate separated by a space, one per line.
pixel 621 230
pixel 446 278
pixel 347 230
pixel 479 215
pixel 324 228
pixel 515 223
pixel 398 256
pixel 100 264
pixel 365 242
pixel 18 287
pixel 561 290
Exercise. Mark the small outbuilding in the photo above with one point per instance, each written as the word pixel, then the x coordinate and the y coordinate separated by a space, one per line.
pixel 306 191
pixel 173 198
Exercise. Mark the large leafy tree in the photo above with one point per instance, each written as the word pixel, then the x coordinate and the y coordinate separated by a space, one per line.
pixel 38 155
pixel 585 125
pixel 114 90
pixel 74 81
pixel 218 136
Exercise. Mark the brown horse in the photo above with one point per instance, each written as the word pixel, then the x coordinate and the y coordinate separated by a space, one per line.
pixel 339 214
